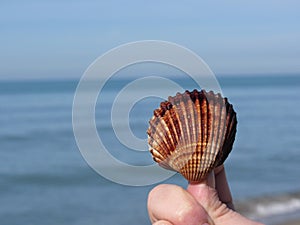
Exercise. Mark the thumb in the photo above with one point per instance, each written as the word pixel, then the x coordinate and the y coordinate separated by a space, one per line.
pixel 208 198
pixel 206 194
pixel 209 181
pixel 203 191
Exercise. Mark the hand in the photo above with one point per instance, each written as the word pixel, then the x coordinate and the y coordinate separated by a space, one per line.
pixel 201 204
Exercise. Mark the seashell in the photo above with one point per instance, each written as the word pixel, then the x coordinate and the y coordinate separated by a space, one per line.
pixel 192 133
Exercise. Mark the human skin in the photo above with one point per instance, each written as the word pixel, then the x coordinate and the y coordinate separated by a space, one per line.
pixel 208 202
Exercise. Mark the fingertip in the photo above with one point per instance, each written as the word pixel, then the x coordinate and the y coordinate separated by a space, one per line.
pixel 160 192
pixel 208 181
pixel 197 190
pixel 203 193
pixel 162 206
pixel 173 203
pixel 162 222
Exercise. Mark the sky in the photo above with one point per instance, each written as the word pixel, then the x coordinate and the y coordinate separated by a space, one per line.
pixel 59 39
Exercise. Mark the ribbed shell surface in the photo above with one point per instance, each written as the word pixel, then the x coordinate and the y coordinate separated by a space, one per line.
pixel 192 133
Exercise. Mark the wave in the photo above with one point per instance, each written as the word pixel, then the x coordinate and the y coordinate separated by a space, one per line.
pixel 266 208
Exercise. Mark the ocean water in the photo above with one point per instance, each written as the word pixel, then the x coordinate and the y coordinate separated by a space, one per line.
pixel 45 180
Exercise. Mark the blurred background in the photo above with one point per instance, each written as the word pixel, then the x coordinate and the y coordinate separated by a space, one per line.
pixel 252 47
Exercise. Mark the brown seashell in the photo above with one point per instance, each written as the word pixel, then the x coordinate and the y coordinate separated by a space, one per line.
pixel 192 133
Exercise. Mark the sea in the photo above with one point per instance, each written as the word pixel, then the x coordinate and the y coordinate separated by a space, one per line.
pixel 44 179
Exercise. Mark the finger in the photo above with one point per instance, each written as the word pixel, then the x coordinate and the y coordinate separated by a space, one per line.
pixel 209 181
pixel 204 194
pixel 174 204
pixel 194 187
pixel 222 186
pixel 218 211
pixel 208 198
pixel 162 222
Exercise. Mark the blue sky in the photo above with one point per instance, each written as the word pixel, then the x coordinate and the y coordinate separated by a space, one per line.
pixel 60 38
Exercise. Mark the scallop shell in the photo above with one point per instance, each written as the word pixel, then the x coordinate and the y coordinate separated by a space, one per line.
pixel 192 133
